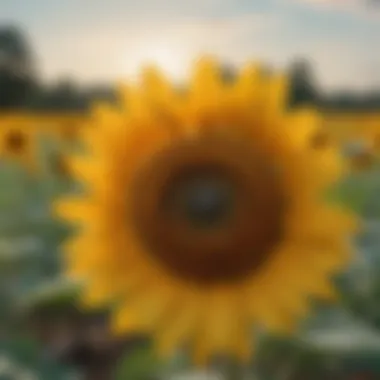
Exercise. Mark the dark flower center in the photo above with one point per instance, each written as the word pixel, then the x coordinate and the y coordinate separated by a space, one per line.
pixel 203 200
pixel 209 211
pixel 15 141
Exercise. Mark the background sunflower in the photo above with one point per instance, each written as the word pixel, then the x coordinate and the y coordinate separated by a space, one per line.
pixel 18 143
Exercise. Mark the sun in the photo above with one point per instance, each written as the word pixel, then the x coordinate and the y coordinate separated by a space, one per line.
pixel 170 57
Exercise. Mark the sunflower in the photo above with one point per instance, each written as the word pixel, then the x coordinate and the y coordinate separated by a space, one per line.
pixel 63 127
pixel 204 214
pixel 69 130
pixel 359 155
pixel 363 161
pixel 69 126
pixel 375 142
pixel 60 165
pixel 17 142
pixel 368 132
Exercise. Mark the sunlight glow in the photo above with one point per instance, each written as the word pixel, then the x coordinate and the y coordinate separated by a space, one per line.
pixel 171 58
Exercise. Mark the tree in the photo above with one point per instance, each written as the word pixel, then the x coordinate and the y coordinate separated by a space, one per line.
pixel 303 89
pixel 16 68
pixel 64 96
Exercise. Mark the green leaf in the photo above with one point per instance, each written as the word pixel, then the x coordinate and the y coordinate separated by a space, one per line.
pixel 24 356
pixel 52 296
pixel 142 364
pixel 352 193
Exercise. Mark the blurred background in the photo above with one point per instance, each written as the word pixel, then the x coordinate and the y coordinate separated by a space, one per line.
pixel 59 58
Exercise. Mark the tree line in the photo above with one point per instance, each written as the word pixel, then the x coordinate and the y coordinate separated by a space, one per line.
pixel 21 88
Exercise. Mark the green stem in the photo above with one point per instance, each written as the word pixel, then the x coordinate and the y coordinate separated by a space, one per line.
pixel 235 371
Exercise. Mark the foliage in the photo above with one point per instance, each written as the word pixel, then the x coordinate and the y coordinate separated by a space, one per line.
pixel 140 365
pixel 21 359
pixel 29 258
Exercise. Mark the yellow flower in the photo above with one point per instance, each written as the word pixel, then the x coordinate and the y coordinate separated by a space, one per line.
pixel 360 156
pixel 60 165
pixel 17 141
pixel 63 127
pixel 69 130
pixel 205 213
pixel 368 131
pixel 362 161
pixel 374 141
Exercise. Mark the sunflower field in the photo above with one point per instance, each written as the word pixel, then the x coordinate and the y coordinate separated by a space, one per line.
pixel 207 232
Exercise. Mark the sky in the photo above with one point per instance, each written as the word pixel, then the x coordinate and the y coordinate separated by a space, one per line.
pixel 98 41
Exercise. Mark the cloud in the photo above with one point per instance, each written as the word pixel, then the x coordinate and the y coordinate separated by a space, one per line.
pixel 340 65
pixel 115 38
pixel 118 49
pixel 369 9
